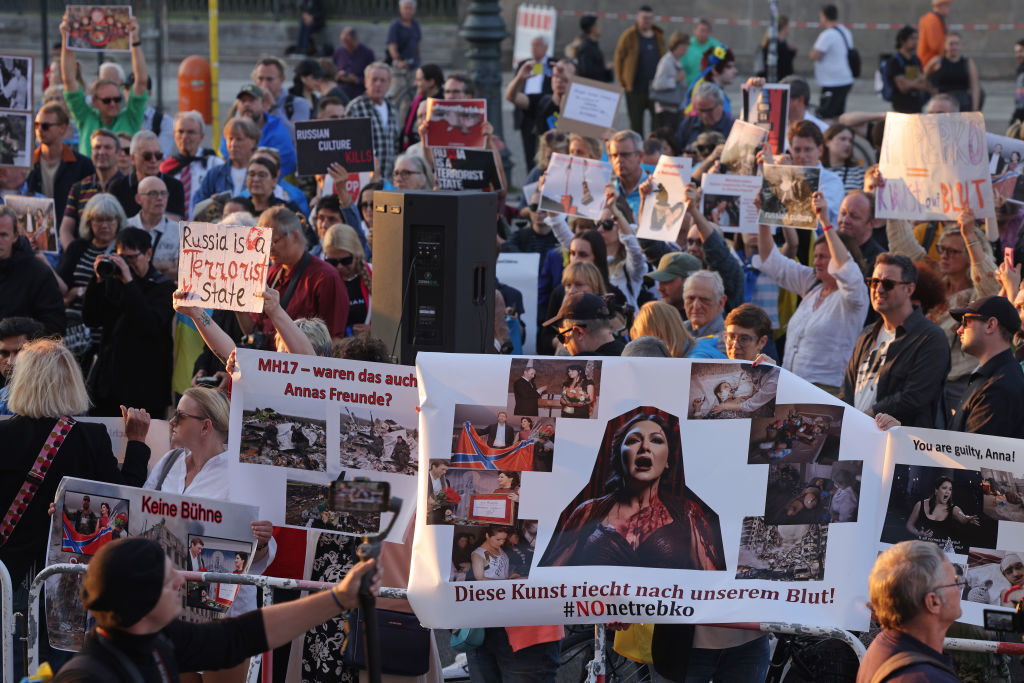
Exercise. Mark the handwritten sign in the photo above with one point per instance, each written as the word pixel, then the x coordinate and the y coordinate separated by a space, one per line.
pixel 935 166
pixel 224 267
pixel 590 107
pixel 318 144
pixel 456 168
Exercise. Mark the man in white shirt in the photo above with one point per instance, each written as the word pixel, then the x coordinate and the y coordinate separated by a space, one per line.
pixel 799 96
pixel 152 200
pixel 190 162
pixel 830 55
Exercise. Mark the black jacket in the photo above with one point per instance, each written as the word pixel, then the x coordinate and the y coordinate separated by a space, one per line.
pixel 911 379
pixel 994 400
pixel 135 358
pixel 590 61
pixel 127 187
pixel 509 434
pixel 28 288
pixel 73 167
pixel 527 397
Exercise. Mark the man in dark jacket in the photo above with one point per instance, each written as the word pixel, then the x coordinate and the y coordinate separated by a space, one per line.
pixel 500 434
pixel 27 286
pixel 636 58
pixel 55 166
pixel 589 58
pixel 134 308
pixel 527 393
pixel 899 364
pixel 146 159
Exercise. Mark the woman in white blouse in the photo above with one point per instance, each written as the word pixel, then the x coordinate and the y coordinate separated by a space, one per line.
pixel 197 465
pixel 822 332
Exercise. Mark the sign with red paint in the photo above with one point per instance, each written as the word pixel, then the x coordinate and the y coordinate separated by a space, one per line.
pixel 224 266
pixel 320 143
pixel 934 166
pixel 534 21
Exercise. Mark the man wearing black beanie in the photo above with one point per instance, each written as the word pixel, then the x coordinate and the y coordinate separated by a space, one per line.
pixel 134 593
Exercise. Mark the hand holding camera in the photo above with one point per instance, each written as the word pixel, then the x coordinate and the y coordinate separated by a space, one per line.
pixel 109 266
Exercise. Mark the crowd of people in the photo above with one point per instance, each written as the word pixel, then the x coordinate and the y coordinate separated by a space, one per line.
pixel 912 324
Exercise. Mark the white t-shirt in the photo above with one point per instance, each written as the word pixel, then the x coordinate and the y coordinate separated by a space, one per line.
pixel 866 389
pixel 496 567
pixel 165 235
pixel 237 180
pixel 382 112
pixel 834 67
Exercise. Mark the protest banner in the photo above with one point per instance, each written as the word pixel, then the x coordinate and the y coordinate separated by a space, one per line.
pixel 740 151
pixel 323 142
pixel 728 201
pixel 590 107
pixel 355 183
pixel 198 534
pixel 519 271
pixel 457 168
pixel 15 139
pixel 36 220
pixel 934 166
pixel 224 266
pixel 1006 164
pixel 575 186
pixel 763 540
pixel 786 196
pixel 661 211
pixel 16 83
pixel 534 21
pixel 768 107
pixel 456 123
pixel 99 28
pixel 158 436
pixel 298 423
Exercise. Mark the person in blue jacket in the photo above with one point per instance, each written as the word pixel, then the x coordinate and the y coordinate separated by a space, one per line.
pixel 251 103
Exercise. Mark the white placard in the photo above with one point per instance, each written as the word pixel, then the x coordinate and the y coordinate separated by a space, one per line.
pixel 533 21
pixel 661 213
pixel 728 201
pixel 224 266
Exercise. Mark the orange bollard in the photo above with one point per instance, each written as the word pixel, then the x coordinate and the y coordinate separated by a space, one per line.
pixel 194 86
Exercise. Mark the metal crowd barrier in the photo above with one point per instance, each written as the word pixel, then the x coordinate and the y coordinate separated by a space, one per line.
pixel 269 582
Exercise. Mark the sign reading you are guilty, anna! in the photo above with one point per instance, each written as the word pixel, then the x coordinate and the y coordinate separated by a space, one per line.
pixel 348 142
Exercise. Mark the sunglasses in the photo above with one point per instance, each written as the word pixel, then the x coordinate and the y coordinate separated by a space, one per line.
pixel 564 335
pixel 887 284
pixel 347 261
pixel 110 100
pixel 968 317
pixel 152 156
pixel 45 125
pixel 606 225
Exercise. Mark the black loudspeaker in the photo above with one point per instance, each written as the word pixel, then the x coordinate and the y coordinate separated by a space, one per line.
pixel 433 271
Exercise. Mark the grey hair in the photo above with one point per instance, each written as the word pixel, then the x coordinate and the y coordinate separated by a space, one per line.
pixel 709 91
pixel 623 135
pixel 421 165
pixel 192 115
pixel 646 347
pixel 944 97
pixel 116 67
pixel 317 333
pixel 101 205
pixel 901 578
pixel 282 218
pixel 238 218
pixel 407 2
pixel 139 137
pixel 373 66
pixel 717 286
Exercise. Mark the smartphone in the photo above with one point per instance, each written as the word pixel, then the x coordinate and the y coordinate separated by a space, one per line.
pixel 1008 256
pixel 360 496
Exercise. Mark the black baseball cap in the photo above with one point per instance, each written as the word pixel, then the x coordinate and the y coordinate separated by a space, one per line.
pixel 125 580
pixel 998 307
pixel 581 306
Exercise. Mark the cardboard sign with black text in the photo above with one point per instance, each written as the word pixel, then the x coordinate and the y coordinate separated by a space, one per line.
pixel 348 142
pixel 456 168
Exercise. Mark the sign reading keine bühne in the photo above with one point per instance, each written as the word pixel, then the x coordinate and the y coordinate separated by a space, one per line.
pixel 224 266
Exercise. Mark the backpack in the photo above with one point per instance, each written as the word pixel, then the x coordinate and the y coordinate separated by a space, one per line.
pixel 852 55
pixel 289 106
pixel 883 84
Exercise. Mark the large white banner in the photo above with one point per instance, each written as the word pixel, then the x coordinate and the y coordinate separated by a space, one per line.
pixel 935 166
pixel 299 422
pixel 576 490
pixel 533 21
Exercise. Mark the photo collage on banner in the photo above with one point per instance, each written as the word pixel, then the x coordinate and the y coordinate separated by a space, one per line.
pixel 602 464
pixel 16 109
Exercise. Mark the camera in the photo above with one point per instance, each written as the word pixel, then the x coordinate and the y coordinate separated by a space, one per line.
pixel 1005 622
pixel 253 340
pixel 106 268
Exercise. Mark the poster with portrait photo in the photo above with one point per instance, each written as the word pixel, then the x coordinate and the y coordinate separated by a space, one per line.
pixel 768 107
pixel 728 201
pixel 782 552
pixel 740 151
pixel 662 210
pixel 90 522
pixel 482 496
pixel 729 390
pixel 99 28
pixel 575 186
pixel 1002 495
pixel 797 433
pixel 36 220
pixel 560 388
pixel 990 576
pixel 1006 166
pixel 374 439
pixel 270 437
pixel 16 82
pixel 219 555
pixel 477 551
pixel 309 505
pixel 492 438
pixel 15 139
pixel 786 196
pixel 810 493
pixel 938 504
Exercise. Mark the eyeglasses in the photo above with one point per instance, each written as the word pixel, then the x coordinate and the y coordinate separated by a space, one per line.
pixel 887 284
pixel 152 156
pixel 564 335
pixel 45 125
pixel 156 194
pixel 741 339
pixel 606 224
pixel 346 261
pixel 947 250
pixel 959 583
pixel 103 220
pixel 177 415
pixel 707 110
pixel 363 206
pixel 130 257
pixel 111 100
pixel 404 173
pixel 704 149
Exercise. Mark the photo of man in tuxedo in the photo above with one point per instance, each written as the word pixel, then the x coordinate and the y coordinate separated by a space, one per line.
pixel 501 434
pixel 527 393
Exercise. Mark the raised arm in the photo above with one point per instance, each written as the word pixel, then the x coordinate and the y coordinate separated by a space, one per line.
pixel 835 245
pixel 292 338
pixel 972 72
pixel 138 59
pixel 67 59
pixel 217 339
pixel 514 91
pixel 983 267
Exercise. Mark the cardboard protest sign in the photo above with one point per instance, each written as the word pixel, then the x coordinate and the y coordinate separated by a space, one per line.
pixel 320 143
pixel 224 266
pixel 786 196
pixel 15 139
pixel 590 107
pixel 766 537
pixel 300 422
pixel 739 156
pixel 534 21
pixel 728 201
pixel 37 220
pixel 99 28
pixel 520 271
pixel 158 436
pixel 934 166
pixel 575 186
pixel 15 83
pixel 768 107
pixel 455 123
pixel 661 212
pixel 1006 164
pixel 355 183
pixel 456 168
pixel 198 534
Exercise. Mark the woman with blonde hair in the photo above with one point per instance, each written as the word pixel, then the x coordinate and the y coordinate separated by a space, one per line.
pixel 583 146
pixel 343 250
pixel 661 320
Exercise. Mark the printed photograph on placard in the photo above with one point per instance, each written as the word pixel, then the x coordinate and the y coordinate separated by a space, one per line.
pixel 90 522
pixel 809 493
pixel 722 391
pixel 221 555
pixel 442 499
pixel 554 388
pixel 493 551
pixel 721 209
pixel 1002 495
pixel 15 139
pixel 273 438
pixel 661 211
pixel 738 156
pixel 786 196
pixel 797 433
pixel 781 552
pixel 15 83
pixel 95 28
pixel 575 186
pixel 1006 166
pixel 491 438
pixel 728 201
pixel 995 577
pixel 455 123
pixel 941 505
pixel 482 496
pixel 310 505
pixel 638 479
pixel 376 441
pixel 36 220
